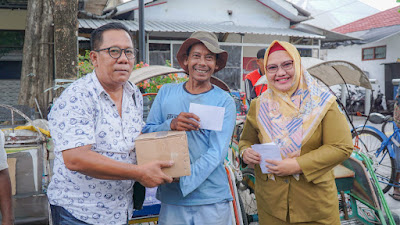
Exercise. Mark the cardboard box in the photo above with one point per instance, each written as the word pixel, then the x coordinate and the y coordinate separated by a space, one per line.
pixel 165 146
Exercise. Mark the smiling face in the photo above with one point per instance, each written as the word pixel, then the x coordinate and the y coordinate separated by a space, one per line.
pixel 282 80
pixel 113 72
pixel 201 63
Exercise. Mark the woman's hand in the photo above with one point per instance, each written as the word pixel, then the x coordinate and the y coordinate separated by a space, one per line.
pixel 287 166
pixel 251 157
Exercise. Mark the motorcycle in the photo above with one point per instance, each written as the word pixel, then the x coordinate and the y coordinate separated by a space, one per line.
pixel 356 101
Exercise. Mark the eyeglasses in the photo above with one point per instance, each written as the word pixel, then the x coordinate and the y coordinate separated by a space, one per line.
pixel 287 65
pixel 116 52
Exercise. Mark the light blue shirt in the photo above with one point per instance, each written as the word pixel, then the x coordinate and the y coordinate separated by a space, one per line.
pixel 86 115
pixel 208 182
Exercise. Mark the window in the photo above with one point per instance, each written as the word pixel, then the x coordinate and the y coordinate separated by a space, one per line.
pixel 305 52
pixel 11 46
pixel 14 4
pixel 374 53
pixel 159 53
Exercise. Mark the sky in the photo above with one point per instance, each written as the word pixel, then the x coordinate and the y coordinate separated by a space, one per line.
pixel 381 4
pixel 329 14
pixel 378 4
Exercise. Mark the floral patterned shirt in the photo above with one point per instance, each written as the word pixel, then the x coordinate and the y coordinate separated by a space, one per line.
pixel 86 115
pixel 3 155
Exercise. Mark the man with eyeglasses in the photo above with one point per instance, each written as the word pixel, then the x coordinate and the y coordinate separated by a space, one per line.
pixel 94 124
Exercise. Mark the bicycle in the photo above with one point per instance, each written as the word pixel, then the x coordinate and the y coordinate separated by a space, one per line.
pixel 388 126
pixel 379 149
pixel 245 178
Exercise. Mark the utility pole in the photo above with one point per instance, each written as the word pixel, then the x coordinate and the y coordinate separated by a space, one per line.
pixel 142 45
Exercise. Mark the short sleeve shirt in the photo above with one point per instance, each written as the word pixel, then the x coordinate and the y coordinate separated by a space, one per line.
pixel 3 155
pixel 86 115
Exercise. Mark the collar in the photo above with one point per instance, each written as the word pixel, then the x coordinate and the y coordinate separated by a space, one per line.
pixel 99 89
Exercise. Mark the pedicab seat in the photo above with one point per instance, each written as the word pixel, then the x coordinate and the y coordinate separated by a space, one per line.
pixel 344 178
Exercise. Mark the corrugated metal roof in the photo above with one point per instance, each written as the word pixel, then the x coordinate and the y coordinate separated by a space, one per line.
pixel 162 26
pixel 380 33
pixel 329 35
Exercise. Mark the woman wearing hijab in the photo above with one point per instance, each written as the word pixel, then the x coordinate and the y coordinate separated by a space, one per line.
pixel 313 136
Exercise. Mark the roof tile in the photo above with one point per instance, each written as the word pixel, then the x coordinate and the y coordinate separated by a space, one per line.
pixel 385 18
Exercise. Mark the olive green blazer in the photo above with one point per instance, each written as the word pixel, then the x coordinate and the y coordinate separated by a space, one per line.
pixel 314 196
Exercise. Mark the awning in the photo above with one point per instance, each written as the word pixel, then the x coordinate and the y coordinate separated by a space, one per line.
pixel 189 27
pixel 340 72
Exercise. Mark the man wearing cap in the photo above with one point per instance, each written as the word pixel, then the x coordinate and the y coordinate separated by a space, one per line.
pixel 6 209
pixel 203 197
pixel 251 78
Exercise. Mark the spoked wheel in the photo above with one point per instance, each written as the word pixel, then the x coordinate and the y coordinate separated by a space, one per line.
pixel 369 143
pixel 247 195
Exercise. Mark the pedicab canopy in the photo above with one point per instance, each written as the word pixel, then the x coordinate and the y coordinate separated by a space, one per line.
pixel 333 72
pixel 148 72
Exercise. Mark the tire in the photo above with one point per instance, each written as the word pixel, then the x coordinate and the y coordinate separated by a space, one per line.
pixel 147 103
pixel 243 211
pixel 387 128
pixel 384 166
pixel 247 199
pixel 383 128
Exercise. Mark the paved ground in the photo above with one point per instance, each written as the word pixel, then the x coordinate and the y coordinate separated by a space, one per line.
pixel 393 204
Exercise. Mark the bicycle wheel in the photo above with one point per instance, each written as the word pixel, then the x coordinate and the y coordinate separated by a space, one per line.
pixel 242 210
pixel 384 166
pixel 387 128
pixel 245 188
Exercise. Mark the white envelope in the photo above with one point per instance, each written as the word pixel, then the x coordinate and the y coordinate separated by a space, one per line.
pixel 267 151
pixel 211 117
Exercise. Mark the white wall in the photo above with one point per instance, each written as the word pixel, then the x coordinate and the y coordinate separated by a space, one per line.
pixel 375 68
pixel 266 40
pixel 211 11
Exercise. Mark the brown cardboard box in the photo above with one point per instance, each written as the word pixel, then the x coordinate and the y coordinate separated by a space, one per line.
pixel 166 146
pixel 11 171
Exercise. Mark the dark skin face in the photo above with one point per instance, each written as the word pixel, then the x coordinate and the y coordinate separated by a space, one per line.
pixel 201 65
pixel 113 73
